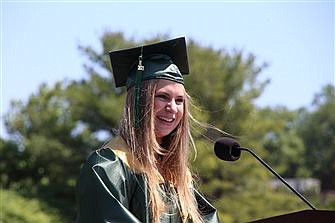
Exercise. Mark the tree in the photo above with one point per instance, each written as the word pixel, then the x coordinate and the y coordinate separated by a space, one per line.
pixel 18 208
pixel 284 148
pixel 317 129
pixel 224 84
pixel 50 145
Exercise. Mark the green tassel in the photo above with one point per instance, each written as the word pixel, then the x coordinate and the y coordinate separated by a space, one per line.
pixel 138 81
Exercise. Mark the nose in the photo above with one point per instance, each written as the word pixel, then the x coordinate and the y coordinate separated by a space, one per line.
pixel 172 106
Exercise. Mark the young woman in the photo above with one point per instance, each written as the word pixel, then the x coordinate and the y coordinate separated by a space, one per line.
pixel 142 175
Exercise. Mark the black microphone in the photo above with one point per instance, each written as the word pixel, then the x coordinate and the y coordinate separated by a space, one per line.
pixel 229 149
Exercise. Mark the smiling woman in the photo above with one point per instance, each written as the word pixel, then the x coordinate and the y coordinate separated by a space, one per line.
pixel 142 175
pixel 168 107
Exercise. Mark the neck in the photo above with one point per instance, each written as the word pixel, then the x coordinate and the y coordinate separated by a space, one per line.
pixel 159 140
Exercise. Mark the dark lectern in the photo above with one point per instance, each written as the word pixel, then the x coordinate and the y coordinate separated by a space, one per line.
pixel 306 216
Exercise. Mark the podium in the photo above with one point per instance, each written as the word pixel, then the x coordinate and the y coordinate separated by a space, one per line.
pixel 305 216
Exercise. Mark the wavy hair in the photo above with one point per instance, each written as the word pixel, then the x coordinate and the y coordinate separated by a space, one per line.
pixel 168 161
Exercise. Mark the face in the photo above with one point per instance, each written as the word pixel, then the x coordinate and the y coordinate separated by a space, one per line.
pixel 168 107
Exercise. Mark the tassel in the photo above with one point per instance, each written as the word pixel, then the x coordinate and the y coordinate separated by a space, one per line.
pixel 138 81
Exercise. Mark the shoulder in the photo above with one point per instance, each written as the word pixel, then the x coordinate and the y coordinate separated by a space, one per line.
pixel 113 151
pixel 106 166
pixel 114 154
pixel 122 151
pixel 104 163
pixel 107 161
pixel 100 156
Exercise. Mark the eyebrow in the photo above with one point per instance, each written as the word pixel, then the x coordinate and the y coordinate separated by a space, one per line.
pixel 167 92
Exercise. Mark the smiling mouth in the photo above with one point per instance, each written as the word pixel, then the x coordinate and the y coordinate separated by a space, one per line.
pixel 165 119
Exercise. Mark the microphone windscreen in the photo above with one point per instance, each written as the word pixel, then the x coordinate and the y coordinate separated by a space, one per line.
pixel 227 149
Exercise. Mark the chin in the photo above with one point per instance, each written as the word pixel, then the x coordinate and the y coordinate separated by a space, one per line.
pixel 162 134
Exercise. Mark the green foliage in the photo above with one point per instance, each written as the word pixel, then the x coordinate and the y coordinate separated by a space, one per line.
pixel 47 148
pixel 224 85
pixel 94 103
pixel 284 149
pixel 317 129
pixel 17 208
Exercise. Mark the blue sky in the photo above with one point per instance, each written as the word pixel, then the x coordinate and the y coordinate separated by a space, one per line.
pixel 39 39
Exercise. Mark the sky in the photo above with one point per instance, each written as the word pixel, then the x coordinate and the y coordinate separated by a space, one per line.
pixel 40 39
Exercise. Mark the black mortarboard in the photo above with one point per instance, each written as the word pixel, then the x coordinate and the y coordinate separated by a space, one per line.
pixel 162 60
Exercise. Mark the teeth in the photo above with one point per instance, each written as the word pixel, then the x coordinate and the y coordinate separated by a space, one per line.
pixel 166 119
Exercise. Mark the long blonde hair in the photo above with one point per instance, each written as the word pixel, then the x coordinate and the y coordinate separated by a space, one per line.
pixel 169 162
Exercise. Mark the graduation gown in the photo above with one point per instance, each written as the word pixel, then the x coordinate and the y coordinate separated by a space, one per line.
pixel 110 189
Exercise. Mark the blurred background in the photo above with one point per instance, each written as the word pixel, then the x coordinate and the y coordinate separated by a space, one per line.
pixel 263 71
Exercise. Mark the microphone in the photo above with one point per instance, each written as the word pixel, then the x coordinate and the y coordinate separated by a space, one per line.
pixel 229 149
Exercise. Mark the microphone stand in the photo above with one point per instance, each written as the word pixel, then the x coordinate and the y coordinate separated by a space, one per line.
pixel 279 177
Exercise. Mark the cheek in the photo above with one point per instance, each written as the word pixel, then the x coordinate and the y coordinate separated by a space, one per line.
pixel 180 112
pixel 158 105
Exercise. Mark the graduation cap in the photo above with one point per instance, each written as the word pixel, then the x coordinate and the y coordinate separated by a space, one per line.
pixel 162 60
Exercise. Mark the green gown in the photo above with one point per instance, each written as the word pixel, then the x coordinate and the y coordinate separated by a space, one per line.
pixel 108 190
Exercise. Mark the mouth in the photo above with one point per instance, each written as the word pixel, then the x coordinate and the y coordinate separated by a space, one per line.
pixel 165 119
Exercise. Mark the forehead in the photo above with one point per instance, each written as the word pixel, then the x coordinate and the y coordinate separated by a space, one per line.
pixel 170 87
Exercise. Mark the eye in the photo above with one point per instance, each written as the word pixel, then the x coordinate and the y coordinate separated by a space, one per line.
pixel 162 97
pixel 179 101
